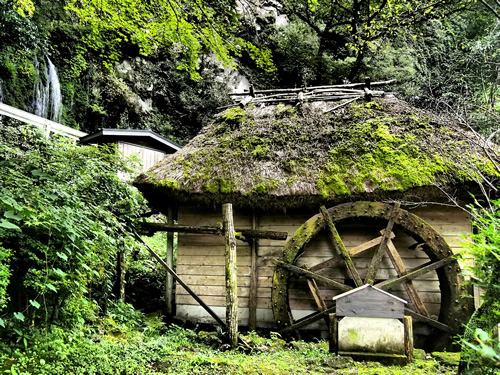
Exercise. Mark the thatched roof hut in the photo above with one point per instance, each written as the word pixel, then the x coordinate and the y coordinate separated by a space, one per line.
pixel 285 156
pixel 279 163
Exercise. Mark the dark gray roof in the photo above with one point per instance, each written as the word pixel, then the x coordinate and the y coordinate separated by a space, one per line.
pixel 353 291
pixel 145 138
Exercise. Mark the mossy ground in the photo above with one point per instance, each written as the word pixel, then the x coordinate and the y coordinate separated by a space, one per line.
pixel 175 350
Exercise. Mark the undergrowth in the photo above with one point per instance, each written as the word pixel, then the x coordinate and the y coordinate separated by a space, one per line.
pixel 125 341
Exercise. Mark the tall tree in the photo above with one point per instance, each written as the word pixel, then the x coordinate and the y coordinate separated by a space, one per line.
pixel 349 27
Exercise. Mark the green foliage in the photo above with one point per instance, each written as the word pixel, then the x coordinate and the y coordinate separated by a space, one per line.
pixel 152 348
pixel 188 27
pixel 64 216
pixel 145 284
pixel 348 28
pixel 481 352
pixel 296 50
pixel 17 28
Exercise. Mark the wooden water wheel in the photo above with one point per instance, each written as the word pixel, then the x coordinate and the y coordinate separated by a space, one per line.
pixel 454 310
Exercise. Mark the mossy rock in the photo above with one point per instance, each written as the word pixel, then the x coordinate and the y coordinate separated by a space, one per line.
pixel 419 354
pixel 447 358
pixel 338 362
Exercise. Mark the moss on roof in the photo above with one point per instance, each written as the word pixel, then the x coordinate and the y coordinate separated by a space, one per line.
pixel 288 156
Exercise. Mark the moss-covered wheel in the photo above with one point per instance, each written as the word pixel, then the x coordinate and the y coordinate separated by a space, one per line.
pixel 454 309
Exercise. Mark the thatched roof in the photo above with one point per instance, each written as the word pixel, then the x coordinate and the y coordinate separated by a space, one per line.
pixel 289 156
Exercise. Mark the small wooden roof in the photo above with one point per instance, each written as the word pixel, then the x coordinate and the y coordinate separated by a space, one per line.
pixel 369 286
pixel 145 138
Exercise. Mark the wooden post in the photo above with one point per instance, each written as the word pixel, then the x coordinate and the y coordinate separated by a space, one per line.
pixel 252 301
pixel 334 330
pixel 408 328
pixel 231 278
pixel 169 281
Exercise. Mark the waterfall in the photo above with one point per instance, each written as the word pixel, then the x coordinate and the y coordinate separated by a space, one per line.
pixel 47 98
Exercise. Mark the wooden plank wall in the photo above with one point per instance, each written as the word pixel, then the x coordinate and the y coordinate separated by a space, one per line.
pixel 149 157
pixel 201 261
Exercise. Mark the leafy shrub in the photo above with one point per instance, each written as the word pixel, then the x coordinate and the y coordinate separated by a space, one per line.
pixel 64 215
pixel 481 353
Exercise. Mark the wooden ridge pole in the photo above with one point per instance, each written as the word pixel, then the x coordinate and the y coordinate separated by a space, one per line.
pixel 231 277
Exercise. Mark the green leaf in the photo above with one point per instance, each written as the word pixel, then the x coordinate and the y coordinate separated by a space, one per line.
pixel 12 215
pixel 483 336
pixel 19 316
pixel 35 304
pixel 41 175
pixel 8 225
pixel 59 272
pixel 51 287
pixel 2 323
pixel 62 256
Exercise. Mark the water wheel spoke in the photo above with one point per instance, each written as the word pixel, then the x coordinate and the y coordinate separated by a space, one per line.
pixel 312 275
pixel 327 263
pixel 309 319
pixel 354 251
pixel 320 302
pixel 339 247
pixel 414 273
pixel 401 270
pixel 313 287
pixel 368 245
pixel 377 257
pixel 432 322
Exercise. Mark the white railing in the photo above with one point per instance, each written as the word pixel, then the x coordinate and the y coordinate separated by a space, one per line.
pixel 47 126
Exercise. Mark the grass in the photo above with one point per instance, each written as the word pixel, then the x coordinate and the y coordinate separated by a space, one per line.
pixel 125 341
pixel 176 350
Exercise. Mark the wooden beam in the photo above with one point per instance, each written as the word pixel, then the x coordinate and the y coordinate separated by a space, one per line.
pixel 408 337
pixel 414 273
pixel 429 321
pixel 309 319
pixel 354 251
pixel 149 228
pixel 231 278
pixel 312 275
pixel 313 287
pixel 368 245
pixel 400 268
pixel 339 247
pixel 377 257
pixel 334 334
pixel 182 283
